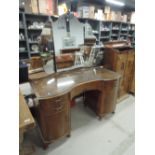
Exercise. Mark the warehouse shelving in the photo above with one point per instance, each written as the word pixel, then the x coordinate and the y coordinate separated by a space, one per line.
pixel 30 33
pixel 111 30
pixel 103 30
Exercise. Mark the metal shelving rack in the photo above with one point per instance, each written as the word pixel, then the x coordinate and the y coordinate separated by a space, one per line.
pixel 95 24
pixel 115 31
pixel 34 33
pixel 105 31
pixel 23 43
pixel 27 19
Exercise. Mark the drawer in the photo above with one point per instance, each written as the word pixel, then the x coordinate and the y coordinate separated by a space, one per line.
pixel 54 105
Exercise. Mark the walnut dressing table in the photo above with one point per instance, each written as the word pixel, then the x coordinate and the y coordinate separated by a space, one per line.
pixel 55 92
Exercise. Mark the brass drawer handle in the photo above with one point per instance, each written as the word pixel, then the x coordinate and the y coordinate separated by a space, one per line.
pixel 58 104
pixel 59 108
pixel 58 100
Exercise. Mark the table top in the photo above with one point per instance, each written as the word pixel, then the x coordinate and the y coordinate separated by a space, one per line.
pixel 26 119
pixel 60 83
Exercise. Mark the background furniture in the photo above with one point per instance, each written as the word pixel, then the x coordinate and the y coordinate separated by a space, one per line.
pixel 26 120
pixel 119 57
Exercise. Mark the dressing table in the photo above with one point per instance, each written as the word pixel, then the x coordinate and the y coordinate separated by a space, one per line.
pixel 54 93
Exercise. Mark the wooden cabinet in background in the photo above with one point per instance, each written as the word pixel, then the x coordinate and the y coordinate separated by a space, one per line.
pixel 132 86
pixel 120 58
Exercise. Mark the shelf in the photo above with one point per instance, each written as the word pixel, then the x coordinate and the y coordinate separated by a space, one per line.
pixel 105 37
pixel 115 29
pixel 123 34
pixel 114 35
pixel 124 30
pixel 131 30
pixel 34 29
pixel 105 30
pixel 33 42
pixel 21 28
pixel 36 15
pixel 130 36
pixel 23 52
pixel 33 52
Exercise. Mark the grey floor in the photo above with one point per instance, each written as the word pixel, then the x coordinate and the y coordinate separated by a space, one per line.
pixel 113 135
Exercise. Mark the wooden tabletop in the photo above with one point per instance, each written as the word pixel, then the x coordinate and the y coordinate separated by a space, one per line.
pixel 26 119
pixel 59 83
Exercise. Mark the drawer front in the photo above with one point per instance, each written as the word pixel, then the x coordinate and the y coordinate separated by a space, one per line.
pixel 54 105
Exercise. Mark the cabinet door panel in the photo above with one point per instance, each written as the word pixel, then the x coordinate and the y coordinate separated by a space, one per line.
pixel 57 125
pixel 121 63
pixel 130 64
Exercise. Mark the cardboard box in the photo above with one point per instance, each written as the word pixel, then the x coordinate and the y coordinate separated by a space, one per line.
pixel 34 4
pixel 47 7
pixel 132 17
pixel 108 16
pixel 91 11
pixel 113 16
pixel 99 14
pixel 85 12
pixel 107 9
pixel 118 16
pixel 31 6
pixel 42 6
pixel 124 19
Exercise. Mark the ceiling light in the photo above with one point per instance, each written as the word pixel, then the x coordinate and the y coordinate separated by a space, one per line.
pixel 115 2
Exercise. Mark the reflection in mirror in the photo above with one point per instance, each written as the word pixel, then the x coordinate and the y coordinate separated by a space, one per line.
pixel 75 47
pixel 48 67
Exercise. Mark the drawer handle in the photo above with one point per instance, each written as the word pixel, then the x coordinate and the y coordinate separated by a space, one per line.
pixel 58 104
pixel 58 100
pixel 59 108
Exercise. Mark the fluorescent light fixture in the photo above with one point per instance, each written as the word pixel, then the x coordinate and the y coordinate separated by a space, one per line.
pixel 50 81
pixel 115 2
pixel 65 83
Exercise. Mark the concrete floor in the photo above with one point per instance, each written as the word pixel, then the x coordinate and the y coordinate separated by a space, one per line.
pixel 113 135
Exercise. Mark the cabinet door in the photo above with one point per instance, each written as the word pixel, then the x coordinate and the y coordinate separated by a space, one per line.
pixel 121 63
pixel 120 68
pixel 129 71
pixel 57 125
pixel 54 117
